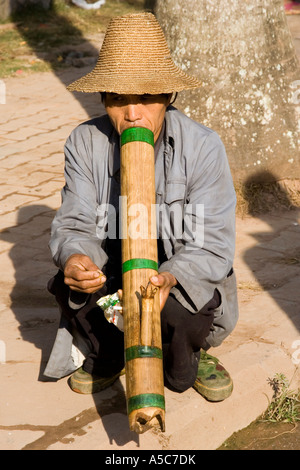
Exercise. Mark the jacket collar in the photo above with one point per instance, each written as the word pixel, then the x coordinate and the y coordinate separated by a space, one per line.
pixel 114 152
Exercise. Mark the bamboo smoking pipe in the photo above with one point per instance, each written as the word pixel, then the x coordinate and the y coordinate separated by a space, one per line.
pixel 141 309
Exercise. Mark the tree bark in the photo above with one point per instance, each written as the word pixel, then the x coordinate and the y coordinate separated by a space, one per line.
pixel 244 55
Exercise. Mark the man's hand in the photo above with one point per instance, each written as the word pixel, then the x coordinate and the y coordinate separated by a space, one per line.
pixel 82 275
pixel 165 281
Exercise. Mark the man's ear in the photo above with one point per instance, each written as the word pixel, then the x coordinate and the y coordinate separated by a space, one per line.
pixel 172 98
pixel 103 96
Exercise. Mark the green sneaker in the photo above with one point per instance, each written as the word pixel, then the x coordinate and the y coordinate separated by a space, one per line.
pixel 83 382
pixel 213 381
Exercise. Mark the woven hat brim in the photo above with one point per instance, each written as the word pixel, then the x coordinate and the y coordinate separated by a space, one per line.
pixel 137 85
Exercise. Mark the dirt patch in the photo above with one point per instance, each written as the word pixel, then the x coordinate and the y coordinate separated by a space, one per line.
pixel 265 436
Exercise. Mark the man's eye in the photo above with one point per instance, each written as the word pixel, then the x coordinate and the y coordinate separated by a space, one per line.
pixel 146 97
pixel 118 98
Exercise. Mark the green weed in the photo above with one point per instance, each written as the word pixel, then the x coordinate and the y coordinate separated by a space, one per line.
pixel 285 403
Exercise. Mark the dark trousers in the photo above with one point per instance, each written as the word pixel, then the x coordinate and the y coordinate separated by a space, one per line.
pixel 183 335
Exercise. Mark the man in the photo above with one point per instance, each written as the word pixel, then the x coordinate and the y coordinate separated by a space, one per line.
pixel 137 79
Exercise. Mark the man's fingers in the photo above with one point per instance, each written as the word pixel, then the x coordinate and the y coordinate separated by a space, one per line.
pixel 87 286
pixel 164 279
pixel 81 262
pixel 90 290
pixel 84 283
pixel 79 272
pixel 81 275
pixel 120 292
pixel 157 280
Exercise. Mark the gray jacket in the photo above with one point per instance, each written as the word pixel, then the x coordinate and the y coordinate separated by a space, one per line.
pixel 192 178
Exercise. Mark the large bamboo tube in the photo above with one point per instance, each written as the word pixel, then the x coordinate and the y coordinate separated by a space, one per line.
pixel 141 310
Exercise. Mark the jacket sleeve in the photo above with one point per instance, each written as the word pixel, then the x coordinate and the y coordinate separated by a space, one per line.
pixel 203 258
pixel 73 229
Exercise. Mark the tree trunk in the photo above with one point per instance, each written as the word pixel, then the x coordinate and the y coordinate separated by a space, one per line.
pixel 244 55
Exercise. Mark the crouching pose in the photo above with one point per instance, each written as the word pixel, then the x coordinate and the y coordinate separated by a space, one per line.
pixel 138 80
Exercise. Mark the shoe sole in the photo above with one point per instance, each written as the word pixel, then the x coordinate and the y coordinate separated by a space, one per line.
pixel 214 394
pixel 88 388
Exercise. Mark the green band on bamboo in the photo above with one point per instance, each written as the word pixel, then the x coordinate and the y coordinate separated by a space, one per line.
pixel 135 352
pixel 139 263
pixel 145 400
pixel 140 134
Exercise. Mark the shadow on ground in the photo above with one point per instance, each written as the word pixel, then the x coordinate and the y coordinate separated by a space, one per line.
pixel 278 248
pixel 32 305
pixel 57 41
pixel 38 318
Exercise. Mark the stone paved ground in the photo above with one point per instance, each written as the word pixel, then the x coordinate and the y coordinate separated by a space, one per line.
pixel 35 121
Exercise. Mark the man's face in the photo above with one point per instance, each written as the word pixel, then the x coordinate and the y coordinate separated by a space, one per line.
pixel 127 111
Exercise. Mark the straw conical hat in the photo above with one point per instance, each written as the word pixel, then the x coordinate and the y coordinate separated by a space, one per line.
pixel 135 59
